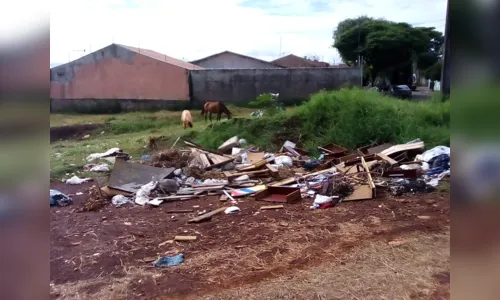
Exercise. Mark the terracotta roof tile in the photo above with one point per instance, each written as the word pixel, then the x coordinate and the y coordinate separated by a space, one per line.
pixel 163 57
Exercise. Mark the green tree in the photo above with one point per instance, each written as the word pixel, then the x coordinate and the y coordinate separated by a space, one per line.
pixel 434 71
pixel 385 47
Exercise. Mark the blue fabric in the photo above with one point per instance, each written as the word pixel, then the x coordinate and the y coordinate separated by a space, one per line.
pixel 439 164
pixel 169 261
pixel 311 164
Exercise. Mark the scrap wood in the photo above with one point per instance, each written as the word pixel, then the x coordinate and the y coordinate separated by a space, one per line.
pixel 387 159
pixel 185 238
pixel 193 145
pixel 175 143
pixel 293 179
pixel 257 165
pixel 271 207
pixel 254 157
pixel 204 160
pixel 370 180
pixel 403 147
pixel 113 192
pixel 179 211
pixel 180 197
pixel 207 215
pixel 360 192
pixel 271 168
pixel 231 176
pixel 221 163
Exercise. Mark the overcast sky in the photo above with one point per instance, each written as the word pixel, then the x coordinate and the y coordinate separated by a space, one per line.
pixel 193 29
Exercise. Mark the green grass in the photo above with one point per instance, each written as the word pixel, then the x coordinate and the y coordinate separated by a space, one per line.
pixel 128 131
pixel 349 117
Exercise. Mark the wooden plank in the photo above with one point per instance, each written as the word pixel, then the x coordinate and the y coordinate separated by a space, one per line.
pixel 271 168
pixel 292 179
pixel 207 215
pixel 216 159
pixel 403 147
pixel 361 192
pixel 271 207
pixel 204 160
pixel 191 144
pixel 230 175
pixel 180 197
pixel 179 211
pixel 254 157
pixel 387 159
pixel 183 238
pixel 219 164
pixel 367 170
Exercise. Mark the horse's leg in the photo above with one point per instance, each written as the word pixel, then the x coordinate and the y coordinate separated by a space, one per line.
pixel 219 115
pixel 210 117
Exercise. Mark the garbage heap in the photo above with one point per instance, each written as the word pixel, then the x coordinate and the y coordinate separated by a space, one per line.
pixel 290 175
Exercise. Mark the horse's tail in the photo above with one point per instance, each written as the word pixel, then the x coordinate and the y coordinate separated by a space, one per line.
pixel 203 110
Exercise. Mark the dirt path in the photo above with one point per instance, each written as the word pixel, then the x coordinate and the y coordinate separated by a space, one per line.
pixel 108 254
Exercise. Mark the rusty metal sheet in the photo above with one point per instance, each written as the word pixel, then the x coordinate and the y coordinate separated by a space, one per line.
pixel 129 177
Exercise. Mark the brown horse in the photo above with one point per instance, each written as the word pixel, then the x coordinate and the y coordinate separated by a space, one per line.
pixel 217 108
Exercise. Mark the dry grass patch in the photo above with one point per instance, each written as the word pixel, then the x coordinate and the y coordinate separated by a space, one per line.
pixel 376 271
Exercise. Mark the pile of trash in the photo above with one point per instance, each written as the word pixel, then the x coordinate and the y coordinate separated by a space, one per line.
pixel 290 175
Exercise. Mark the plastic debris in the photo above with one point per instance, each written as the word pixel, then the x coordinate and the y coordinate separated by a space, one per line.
pixel 120 200
pixel 77 180
pixel 242 178
pixel 322 201
pixel 283 160
pixel 59 199
pixel 232 210
pixel 100 168
pixel 169 261
pixel 142 195
pixel 177 172
pixel 110 152
pixel 146 157
pixel 432 153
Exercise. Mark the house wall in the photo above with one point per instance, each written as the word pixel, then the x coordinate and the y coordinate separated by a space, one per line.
pixel 244 85
pixel 118 73
pixel 231 61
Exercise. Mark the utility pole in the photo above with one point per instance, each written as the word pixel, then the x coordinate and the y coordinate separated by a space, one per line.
pixel 361 69
pixel 280 47
pixel 445 72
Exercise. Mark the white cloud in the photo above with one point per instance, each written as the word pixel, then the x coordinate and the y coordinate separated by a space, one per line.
pixel 192 29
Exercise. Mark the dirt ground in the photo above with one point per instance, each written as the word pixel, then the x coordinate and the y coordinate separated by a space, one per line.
pixel 387 248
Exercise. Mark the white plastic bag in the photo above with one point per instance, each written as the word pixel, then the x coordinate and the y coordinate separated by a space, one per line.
pixel 142 195
pixel 283 160
pixel 77 180
pixel 100 168
pixel 120 200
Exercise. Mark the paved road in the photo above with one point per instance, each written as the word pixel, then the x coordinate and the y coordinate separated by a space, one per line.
pixel 422 93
